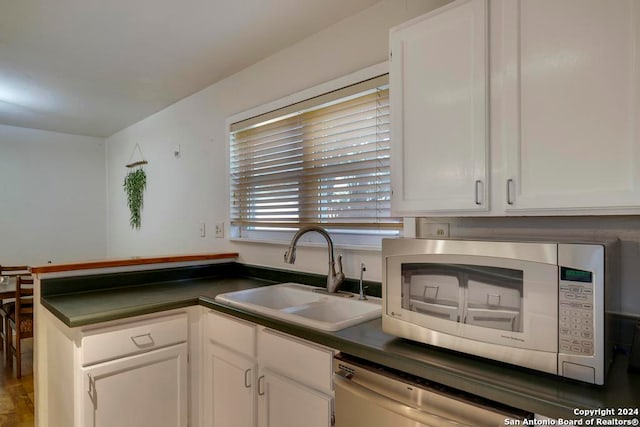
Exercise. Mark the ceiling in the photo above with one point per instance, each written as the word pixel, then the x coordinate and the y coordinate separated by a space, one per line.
pixel 93 67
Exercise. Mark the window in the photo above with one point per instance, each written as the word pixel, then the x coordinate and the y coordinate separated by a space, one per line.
pixel 323 161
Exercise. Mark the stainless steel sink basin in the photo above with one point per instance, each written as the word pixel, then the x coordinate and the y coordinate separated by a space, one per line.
pixel 301 304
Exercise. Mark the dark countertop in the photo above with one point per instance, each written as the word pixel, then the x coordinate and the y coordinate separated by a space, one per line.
pixel 524 389
pixel 85 308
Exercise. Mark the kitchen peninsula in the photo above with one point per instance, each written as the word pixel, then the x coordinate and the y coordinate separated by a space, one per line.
pixel 79 305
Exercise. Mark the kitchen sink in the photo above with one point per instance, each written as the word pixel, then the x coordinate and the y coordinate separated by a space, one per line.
pixel 305 305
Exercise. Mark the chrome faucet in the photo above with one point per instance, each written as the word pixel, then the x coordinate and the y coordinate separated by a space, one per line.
pixel 334 280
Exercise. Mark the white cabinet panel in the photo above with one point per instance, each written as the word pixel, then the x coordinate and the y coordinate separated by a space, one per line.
pixel 232 333
pixel 146 390
pixel 563 105
pixel 571 104
pixel 294 388
pixel 287 403
pixel 103 344
pixel 439 108
pixel 229 388
pixel 300 360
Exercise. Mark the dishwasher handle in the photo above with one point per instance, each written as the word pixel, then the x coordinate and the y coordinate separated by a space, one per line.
pixel 392 405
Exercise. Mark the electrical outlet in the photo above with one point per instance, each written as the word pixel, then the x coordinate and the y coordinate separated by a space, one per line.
pixel 437 230
pixel 219 230
pixel 203 229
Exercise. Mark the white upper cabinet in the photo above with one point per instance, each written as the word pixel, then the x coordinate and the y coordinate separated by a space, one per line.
pixel 439 113
pixel 557 132
pixel 570 107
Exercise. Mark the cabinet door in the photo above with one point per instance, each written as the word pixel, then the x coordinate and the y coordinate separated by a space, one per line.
pixel 439 111
pixel 229 398
pixel 287 403
pixel 571 104
pixel 146 390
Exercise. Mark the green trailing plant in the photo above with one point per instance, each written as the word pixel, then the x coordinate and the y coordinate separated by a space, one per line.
pixel 134 185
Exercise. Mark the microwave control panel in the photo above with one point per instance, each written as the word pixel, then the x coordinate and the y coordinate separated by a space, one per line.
pixel 576 324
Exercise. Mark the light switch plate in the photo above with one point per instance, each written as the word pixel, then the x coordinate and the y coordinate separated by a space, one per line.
pixel 219 230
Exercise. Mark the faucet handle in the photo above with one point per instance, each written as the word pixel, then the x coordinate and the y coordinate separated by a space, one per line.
pixel 339 275
pixel 363 289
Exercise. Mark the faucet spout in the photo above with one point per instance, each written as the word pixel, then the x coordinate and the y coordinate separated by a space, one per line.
pixel 334 278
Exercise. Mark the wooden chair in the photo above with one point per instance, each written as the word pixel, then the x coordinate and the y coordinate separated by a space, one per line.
pixel 8 305
pixel 14 270
pixel 20 321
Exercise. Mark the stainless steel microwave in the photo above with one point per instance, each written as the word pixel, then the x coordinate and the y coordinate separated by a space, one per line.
pixel 539 305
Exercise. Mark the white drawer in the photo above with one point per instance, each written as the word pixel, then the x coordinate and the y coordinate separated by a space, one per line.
pixel 300 360
pixel 99 345
pixel 232 333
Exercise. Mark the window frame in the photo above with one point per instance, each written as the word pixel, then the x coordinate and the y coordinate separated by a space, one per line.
pixel 341 238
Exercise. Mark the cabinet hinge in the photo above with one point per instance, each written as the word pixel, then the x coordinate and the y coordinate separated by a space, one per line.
pixel 390 55
pixel 188 357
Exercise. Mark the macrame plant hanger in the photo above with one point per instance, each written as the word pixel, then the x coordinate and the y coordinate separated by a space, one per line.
pixel 134 185
pixel 138 162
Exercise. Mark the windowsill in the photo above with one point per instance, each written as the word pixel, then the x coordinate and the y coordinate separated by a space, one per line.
pixel 342 246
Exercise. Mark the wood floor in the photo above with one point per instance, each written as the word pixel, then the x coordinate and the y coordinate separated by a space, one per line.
pixel 16 396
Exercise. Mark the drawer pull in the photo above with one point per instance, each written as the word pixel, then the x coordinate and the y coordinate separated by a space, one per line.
pixel 143 341
pixel 478 192
pixel 247 378
pixel 261 385
pixel 509 192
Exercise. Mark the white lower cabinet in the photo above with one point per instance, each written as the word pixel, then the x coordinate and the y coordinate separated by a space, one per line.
pixel 189 367
pixel 258 377
pixel 148 389
pixel 135 374
pixel 126 373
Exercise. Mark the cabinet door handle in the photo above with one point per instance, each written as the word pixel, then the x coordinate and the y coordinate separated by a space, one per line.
pixel 509 191
pixel 143 341
pixel 92 389
pixel 261 385
pixel 247 378
pixel 478 192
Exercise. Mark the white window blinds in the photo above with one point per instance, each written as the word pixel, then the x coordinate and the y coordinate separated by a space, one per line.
pixel 323 161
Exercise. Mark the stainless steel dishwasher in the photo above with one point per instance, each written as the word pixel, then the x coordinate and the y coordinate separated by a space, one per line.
pixel 367 395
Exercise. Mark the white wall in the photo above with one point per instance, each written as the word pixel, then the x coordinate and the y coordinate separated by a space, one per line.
pixel 184 191
pixel 52 197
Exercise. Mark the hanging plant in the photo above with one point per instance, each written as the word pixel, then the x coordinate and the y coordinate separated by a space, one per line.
pixel 134 185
